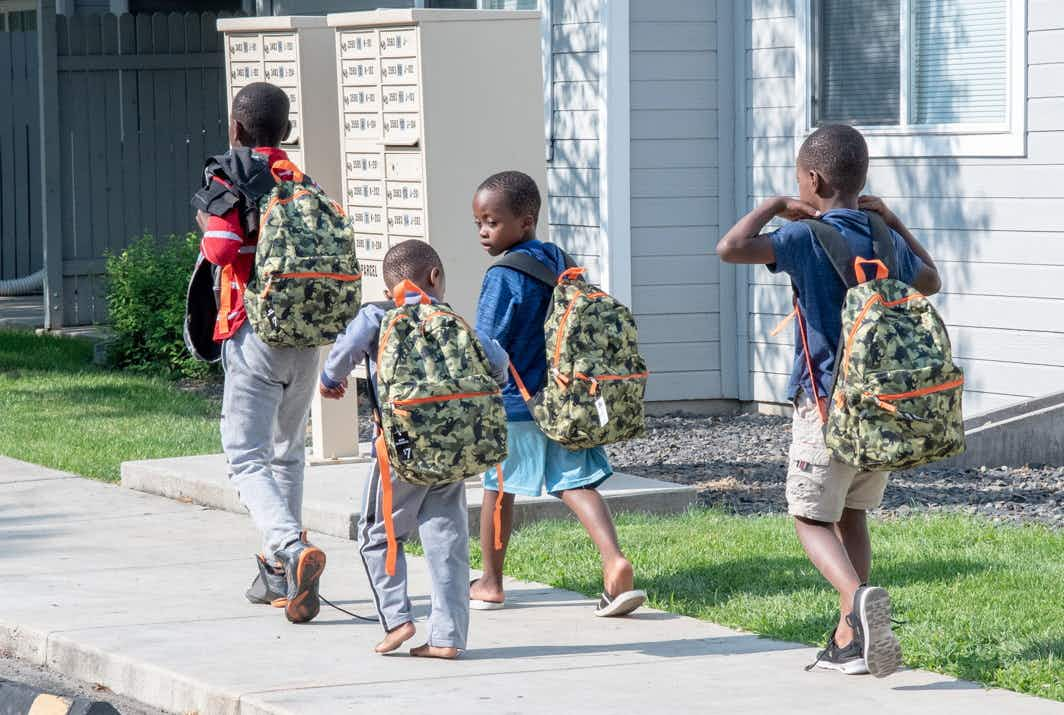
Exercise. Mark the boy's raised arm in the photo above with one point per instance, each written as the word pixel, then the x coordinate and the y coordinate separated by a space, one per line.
pixel 744 242
pixel 927 281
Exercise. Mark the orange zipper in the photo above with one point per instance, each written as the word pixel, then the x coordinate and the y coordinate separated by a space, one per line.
pixel 337 276
pixel 922 391
pixel 884 401
pixel 442 398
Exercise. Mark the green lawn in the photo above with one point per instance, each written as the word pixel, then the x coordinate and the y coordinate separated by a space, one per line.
pixel 982 602
pixel 59 410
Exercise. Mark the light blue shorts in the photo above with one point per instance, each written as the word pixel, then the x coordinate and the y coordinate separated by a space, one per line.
pixel 537 463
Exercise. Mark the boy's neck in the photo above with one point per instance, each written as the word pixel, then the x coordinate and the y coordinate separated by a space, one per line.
pixel 836 202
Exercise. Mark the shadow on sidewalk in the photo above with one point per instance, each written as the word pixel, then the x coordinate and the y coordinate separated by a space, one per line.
pixel 682 648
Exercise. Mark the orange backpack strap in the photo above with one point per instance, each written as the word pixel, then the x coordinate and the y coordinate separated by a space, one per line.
pixel 384 462
pixel 520 384
pixel 497 516
pixel 225 298
pixel 821 403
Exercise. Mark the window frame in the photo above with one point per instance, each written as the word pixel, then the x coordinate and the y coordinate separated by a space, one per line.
pixel 1007 138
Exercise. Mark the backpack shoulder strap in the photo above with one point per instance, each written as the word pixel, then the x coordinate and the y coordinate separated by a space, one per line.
pixel 530 266
pixel 883 242
pixel 836 248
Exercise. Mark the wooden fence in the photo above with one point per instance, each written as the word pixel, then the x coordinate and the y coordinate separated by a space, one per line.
pixel 140 102
pixel 20 157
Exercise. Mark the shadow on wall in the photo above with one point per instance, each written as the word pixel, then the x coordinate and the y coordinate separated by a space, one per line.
pixel 942 199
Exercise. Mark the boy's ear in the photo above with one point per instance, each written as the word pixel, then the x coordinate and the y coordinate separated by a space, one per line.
pixel 287 130
pixel 816 182
pixel 435 277
pixel 238 135
pixel 528 223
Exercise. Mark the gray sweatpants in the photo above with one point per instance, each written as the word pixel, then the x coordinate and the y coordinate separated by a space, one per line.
pixel 265 405
pixel 439 516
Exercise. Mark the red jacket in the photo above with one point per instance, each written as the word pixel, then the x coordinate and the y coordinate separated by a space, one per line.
pixel 225 244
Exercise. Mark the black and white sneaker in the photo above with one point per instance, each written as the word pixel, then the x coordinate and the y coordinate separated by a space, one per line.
pixel 849 660
pixel 872 626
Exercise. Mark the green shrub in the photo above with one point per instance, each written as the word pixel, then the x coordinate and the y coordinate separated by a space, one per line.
pixel 146 286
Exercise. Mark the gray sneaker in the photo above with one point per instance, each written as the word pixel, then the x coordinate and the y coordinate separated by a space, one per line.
pixel 872 623
pixel 303 565
pixel 269 586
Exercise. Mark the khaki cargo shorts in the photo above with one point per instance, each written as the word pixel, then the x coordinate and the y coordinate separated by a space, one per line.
pixel 819 487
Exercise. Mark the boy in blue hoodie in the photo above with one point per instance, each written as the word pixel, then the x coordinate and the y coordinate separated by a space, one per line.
pixel 512 309
pixel 829 499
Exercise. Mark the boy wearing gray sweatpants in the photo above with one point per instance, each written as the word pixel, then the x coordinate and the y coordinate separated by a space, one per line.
pixel 437 513
pixel 268 390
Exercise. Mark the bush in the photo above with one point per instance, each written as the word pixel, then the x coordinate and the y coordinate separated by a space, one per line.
pixel 146 285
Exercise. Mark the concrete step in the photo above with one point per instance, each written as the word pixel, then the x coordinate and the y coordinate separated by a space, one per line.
pixel 333 493
pixel 1028 432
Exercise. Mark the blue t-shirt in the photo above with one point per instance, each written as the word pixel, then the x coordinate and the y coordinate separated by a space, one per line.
pixel 511 309
pixel 821 292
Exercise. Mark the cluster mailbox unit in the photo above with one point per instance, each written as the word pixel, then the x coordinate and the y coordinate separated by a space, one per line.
pixel 399 114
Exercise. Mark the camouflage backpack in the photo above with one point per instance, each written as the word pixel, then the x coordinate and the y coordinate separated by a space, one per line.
pixel 596 378
pixel 439 410
pixel 306 286
pixel 896 401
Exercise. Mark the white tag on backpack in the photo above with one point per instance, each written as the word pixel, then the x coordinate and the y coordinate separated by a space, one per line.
pixel 603 415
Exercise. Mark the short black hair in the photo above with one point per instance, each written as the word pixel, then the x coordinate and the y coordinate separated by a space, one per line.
pixel 410 260
pixel 837 152
pixel 520 190
pixel 262 109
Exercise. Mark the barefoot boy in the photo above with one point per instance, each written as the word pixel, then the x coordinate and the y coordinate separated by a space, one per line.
pixel 512 309
pixel 438 513
pixel 829 499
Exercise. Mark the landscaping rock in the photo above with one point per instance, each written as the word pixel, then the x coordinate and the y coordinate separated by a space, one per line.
pixel 739 463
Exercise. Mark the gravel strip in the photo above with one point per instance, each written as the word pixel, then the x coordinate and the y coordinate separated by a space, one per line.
pixel 740 463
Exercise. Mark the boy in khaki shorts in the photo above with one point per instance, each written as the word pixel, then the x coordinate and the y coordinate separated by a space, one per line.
pixel 827 498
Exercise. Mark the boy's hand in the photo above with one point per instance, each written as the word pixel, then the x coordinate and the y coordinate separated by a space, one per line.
pixel 333 393
pixel 201 220
pixel 792 209
pixel 874 203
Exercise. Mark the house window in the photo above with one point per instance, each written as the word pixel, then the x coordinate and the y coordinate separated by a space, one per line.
pixel 931 77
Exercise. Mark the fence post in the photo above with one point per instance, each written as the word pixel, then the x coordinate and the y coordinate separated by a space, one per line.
pixel 48 77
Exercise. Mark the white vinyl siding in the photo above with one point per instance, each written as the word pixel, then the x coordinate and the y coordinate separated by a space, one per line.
pixel 993 225
pixel 573 170
pixel 674 187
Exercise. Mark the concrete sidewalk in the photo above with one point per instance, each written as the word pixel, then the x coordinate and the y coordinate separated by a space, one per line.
pixel 145 595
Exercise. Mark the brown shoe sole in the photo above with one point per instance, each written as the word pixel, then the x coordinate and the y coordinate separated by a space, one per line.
pixel 305 606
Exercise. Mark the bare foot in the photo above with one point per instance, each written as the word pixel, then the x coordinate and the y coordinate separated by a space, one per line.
pixel 434 651
pixel 481 591
pixel 618 577
pixel 396 637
